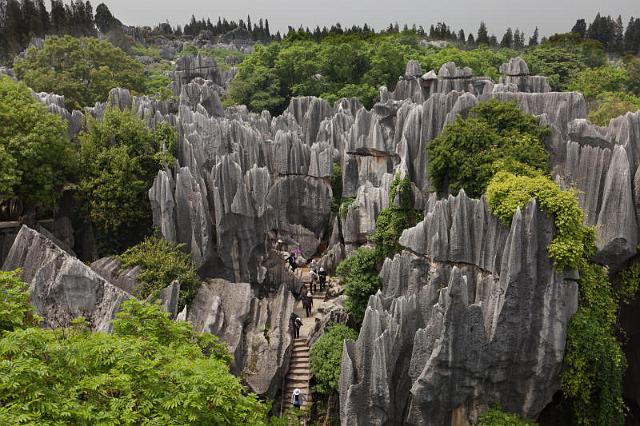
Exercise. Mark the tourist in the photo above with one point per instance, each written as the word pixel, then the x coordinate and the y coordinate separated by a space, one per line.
pixel 314 279
pixel 293 324
pixel 297 326
pixel 292 261
pixel 307 303
pixel 322 276
pixel 297 398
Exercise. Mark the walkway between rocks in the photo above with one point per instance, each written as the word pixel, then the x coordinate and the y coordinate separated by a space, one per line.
pixel 299 373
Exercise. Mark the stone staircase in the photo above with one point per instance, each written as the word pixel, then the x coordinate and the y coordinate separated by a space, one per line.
pixel 299 373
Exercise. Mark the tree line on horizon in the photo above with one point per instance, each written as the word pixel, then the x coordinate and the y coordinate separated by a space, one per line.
pixel 23 20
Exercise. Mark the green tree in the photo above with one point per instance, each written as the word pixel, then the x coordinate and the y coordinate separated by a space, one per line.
pixel 592 82
pixel 15 310
pixel 161 263
pixel 609 105
pixel 151 370
pixel 120 157
pixel 326 356
pixel 84 70
pixel 359 273
pixel 496 136
pixel 35 154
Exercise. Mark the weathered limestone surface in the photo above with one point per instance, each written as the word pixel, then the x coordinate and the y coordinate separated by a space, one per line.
pixel 62 287
pixel 472 313
pixel 256 330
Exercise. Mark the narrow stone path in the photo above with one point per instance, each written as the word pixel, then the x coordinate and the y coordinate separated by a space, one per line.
pixel 299 373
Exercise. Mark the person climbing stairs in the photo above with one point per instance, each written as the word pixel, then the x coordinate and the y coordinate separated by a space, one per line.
pixel 299 374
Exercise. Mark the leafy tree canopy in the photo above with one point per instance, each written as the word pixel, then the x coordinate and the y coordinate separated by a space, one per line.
pixel 326 356
pixel 496 136
pixel 84 70
pixel 161 263
pixel 36 157
pixel 120 157
pixel 151 370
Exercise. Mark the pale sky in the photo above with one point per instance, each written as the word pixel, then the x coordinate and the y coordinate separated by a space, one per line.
pixel 550 16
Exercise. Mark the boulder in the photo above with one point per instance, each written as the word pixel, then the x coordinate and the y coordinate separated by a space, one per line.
pixel 62 287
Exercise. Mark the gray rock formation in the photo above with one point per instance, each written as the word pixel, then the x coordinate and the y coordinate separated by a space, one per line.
pixel 111 270
pixel 255 329
pixel 62 287
pixel 472 313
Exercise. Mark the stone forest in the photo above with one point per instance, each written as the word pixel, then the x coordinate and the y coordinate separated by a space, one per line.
pixel 217 224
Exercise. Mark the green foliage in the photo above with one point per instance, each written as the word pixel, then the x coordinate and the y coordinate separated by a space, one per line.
pixel 15 310
pixel 161 263
pixel 345 205
pixel 496 136
pixel 120 158
pixel 592 381
pixel 336 188
pixel 84 70
pixel 36 157
pixel 591 82
pixel 573 241
pixel 359 273
pixel 609 105
pixel 389 226
pixel 563 57
pixel 394 219
pixel 149 371
pixel 326 356
pixel 628 282
pixel 220 55
pixel 342 66
pixel 496 417
pixel 632 66
pixel 595 362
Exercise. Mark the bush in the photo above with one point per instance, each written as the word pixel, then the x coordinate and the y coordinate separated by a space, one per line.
pixel 84 70
pixel 496 417
pixel 394 219
pixel 151 370
pixel 595 363
pixel 470 151
pixel 120 158
pixel 161 263
pixel 610 105
pixel 573 241
pixel 15 310
pixel 359 272
pixel 326 357
pixel 36 157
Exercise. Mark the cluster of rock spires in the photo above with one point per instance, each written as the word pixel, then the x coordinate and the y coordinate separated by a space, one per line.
pixel 471 311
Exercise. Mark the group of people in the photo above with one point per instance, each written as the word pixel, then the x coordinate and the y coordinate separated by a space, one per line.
pixel 318 275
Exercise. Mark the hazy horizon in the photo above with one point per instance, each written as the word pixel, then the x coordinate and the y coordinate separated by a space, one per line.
pixel 550 16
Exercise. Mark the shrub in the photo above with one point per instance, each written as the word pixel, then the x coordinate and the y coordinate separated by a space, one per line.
pixel 84 70
pixel 592 380
pixel 610 105
pixel 15 310
pixel 326 357
pixel 151 370
pixel 496 417
pixel 161 263
pixel 470 151
pixel 359 272
pixel 36 157
pixel 120 158
pixel 573 241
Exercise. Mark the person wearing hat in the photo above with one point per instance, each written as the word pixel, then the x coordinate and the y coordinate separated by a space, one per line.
pixel 322 277
pixel 297 398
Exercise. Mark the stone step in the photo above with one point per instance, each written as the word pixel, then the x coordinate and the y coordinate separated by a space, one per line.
pixel 300 370
pixel 300 360
pixel 300 351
